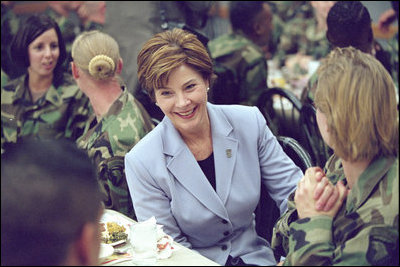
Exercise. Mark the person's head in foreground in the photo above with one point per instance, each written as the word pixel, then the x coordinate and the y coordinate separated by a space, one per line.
pixel 50 205
pixel 356 106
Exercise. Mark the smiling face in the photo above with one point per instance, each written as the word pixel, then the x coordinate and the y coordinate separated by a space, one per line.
pixel 44 53
pixel 184 99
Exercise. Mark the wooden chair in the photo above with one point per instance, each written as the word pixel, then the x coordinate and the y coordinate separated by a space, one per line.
pixel 319 151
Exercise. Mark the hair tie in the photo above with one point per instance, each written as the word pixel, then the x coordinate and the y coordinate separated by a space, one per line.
pixel 93 67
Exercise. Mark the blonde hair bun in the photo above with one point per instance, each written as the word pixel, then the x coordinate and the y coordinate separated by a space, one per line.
pixel 101 67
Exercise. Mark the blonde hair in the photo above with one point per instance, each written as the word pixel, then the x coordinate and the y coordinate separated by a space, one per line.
pixel 96 53
pixel 358 98
pixel 166 51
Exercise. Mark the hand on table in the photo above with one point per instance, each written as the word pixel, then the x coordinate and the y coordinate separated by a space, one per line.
pixel 315 195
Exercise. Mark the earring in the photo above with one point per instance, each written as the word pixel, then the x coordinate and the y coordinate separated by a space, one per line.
pixel 208 88
pixel 156 104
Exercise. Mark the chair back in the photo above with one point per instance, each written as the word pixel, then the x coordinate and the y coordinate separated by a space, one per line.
pixel 267 212
pixel 296 152
pixel 319 151
pixel 281 109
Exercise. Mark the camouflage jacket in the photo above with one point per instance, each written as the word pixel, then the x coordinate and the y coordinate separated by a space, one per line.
pixel 284 12
pixel 108 140
pixel 301 36
pixel 393 46
pixel 60 113
pixel 9 27
pixel 365 231
pixel 70 28
pixel 242 55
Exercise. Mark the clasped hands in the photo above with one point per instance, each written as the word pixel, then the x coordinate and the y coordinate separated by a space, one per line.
pixel 316 195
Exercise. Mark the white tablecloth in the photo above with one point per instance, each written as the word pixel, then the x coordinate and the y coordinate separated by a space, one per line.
pixel 180 256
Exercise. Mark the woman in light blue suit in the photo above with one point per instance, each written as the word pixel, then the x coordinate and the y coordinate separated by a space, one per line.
pixel 199 172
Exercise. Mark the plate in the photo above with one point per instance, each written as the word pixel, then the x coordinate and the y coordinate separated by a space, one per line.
pixel 106 250
pixel 117 242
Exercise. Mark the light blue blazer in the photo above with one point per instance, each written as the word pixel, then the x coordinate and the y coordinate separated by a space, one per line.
pixel 166 181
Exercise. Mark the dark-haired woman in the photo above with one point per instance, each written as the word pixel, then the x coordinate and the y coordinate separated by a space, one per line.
pixel 44 102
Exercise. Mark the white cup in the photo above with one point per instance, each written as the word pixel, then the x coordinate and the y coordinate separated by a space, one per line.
pixel 143 238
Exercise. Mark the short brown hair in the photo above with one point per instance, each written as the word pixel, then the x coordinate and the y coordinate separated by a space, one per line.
pixel 166 51
pixel 358 97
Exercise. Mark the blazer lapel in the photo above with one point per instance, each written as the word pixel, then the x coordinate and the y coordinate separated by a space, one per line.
pixel 183 165
pixel 225 151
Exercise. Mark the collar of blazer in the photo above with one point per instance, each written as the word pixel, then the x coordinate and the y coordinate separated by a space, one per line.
pixel 185 168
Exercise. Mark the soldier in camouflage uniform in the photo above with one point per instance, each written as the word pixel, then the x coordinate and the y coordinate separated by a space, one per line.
pixel 57 111
pixel 242 51
pixel 92 15
pixel 349 24
pixel 304 35
pixel 283 12
pixel 118 121
pixel 364 230
pixel 72 19
pixel 60 113
pixel 9 27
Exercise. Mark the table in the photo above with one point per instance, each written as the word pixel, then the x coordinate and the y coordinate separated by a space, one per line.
pixel 182 256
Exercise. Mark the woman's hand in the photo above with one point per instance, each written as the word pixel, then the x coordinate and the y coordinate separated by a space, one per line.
pixel 315 195
pixel 324 194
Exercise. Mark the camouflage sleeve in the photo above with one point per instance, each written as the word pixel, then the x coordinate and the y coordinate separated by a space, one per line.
pixel 280 234
pixel 255 81
pixel 79 114
pixel 311 243
pixel 113 183
pixel 282 229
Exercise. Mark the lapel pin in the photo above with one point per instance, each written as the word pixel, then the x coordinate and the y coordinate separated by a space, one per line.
pixel 228 153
